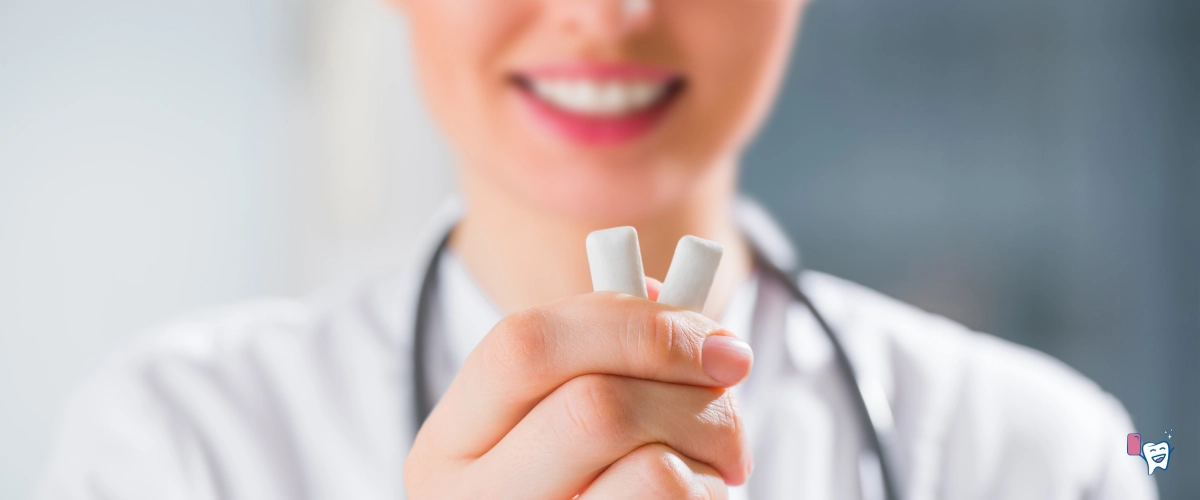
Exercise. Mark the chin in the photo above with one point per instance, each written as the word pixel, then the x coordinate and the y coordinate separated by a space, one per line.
pixel 604 200
pixel 614 185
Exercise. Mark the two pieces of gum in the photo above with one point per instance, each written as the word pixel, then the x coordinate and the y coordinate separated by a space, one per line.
pixel 616 264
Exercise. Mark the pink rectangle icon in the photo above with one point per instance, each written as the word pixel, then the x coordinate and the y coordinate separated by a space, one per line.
pixel 1133 444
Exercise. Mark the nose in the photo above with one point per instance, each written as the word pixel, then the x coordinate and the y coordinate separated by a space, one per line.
pixel 603 19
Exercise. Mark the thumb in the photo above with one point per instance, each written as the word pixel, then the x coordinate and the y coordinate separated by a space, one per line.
pixel 653 286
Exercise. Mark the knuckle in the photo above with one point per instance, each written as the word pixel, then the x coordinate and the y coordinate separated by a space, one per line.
pixel 737 428
pixel 666 335
pixel 730 415
pixel 595 409
pixel 520 343
pixel 731 429
pixel 673 336
pixel 664 474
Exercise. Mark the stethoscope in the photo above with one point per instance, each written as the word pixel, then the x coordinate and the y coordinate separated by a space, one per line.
pixel 872 402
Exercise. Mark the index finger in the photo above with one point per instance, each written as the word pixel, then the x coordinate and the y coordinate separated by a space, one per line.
pixel 532 352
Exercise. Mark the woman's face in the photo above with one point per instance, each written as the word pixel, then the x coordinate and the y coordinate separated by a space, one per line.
pixel 600 109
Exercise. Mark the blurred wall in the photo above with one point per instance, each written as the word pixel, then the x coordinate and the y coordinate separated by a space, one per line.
pixel 156 158
pixel 1029 168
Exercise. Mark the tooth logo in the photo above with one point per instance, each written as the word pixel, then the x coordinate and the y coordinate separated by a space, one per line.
pixel 1156 456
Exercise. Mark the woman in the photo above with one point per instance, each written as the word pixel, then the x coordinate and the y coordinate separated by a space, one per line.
pixel 567 117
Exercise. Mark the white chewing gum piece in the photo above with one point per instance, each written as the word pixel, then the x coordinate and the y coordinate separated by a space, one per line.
pixel 616 261
pixel 691 273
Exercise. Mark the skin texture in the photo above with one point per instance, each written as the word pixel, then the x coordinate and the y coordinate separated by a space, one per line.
pixel 596 394
pixel 599 390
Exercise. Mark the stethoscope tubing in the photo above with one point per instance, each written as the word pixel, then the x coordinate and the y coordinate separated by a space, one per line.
pixel 878 430
pixel 877 423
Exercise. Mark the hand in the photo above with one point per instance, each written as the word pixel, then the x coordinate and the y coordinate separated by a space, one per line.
pixel 599 395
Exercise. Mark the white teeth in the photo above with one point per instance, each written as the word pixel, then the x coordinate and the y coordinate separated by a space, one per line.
pixel 600 98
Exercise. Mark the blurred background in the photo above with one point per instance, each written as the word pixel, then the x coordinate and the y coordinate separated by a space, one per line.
pixel 1029 168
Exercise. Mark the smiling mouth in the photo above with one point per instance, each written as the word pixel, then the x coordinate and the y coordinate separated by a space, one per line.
pixel 597 104
pixel 600 98
pixel 1158 458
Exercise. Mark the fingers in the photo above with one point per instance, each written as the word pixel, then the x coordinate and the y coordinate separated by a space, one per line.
pixel 594 420
pixel 657 471
pixel 531 353
pixel 653 286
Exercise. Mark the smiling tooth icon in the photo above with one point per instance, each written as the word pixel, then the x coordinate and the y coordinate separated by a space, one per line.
pixel 1156 456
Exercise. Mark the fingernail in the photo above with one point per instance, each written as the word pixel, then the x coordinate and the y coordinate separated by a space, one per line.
pixel 726 359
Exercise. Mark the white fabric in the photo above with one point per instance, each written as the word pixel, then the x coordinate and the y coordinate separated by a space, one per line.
pixel 287 399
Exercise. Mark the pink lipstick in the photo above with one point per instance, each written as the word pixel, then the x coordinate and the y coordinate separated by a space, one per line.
pixel 593 104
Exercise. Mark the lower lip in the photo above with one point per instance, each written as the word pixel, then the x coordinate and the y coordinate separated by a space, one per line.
pixel 596 130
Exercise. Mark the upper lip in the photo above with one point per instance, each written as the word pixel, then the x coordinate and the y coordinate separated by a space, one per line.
pixel 600 89
pixel 622 71
pixel 600 72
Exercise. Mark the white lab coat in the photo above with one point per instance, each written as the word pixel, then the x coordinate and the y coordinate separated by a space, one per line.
pixel 312 399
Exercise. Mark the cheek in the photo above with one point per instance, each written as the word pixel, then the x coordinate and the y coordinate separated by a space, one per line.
pixel 458 46
pixel 736 54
